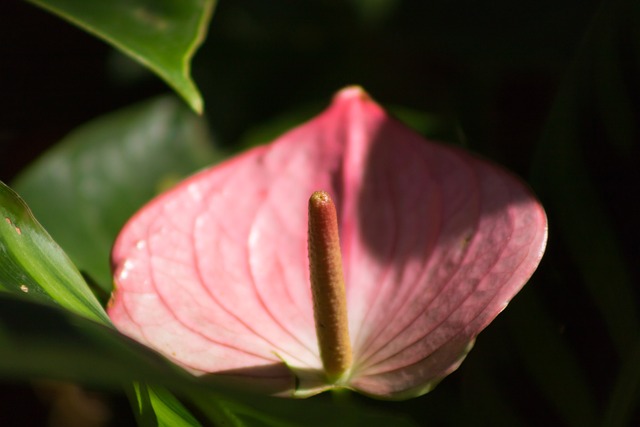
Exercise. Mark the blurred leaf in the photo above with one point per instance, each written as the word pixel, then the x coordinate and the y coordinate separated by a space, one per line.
pixel 39 341
pixel 270 129
pixel 552 366
pixel 161 34
pixel 85 188
pixel 279 412
pixel 586 174
pixel 626 392
pixel 432 126
pixel 374 12
pixel 566 185
pixel 486 401
pixel 610 56
pixel 33 265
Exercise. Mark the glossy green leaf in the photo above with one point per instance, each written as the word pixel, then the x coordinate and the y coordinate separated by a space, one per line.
pixel 161 34
pixel 85 188
pixel 157 406
pixel 33 265
pixel 35 340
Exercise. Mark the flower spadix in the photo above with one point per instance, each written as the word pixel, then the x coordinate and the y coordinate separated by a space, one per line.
pixel 327 287
pixel 217 273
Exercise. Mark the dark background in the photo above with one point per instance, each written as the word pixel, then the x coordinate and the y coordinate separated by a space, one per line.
pixel 550 89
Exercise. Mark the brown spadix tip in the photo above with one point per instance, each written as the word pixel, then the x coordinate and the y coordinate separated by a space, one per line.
pixel 327 287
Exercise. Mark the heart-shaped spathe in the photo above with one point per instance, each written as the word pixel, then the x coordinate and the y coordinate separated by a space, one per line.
pixel 435 242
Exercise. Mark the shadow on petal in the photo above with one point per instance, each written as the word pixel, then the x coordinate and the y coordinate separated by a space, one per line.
pixel 444 241
pixel 276 379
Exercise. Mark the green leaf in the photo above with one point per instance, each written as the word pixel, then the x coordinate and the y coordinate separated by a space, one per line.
pixel 161 34
pixel 40 341
pixel 625 396
pixel 550 362
pixel 85 188
pixel 43 342
pixel 157 406
pixel 277 412
pixel 33 265
pixel 562 178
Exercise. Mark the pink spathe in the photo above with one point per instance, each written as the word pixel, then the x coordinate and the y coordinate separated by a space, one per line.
pixel 435 242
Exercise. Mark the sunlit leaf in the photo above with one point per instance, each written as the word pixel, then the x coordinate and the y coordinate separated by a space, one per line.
pixel 161 34
pixel 158 407
pixel 33 265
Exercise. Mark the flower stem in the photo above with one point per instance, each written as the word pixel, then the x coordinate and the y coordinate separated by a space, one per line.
pixel 327 287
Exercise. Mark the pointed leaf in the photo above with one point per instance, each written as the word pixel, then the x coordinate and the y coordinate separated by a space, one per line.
pixel 435 243
pixel 85 188
pixel 158 407
pixel 33 265
pixel 162 35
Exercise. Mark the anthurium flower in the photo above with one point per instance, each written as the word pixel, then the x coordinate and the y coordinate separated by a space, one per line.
pixel 413 248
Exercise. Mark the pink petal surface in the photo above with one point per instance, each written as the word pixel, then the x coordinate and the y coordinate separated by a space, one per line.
pixel 214 273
